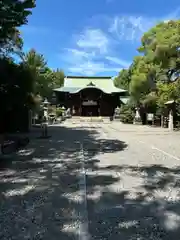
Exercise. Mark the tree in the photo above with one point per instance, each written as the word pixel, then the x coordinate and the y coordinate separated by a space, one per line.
pixel 161 45
pixel 16 95
pixel 123 79
pixel 38 67
pixel 167 92
pixel 160 63
pixel 13 14
pixel 13 46
pixel 58 79
pixel 127 113
pixel 154 77
pixel 36 62
pixel 45 80
pixel 17 80
pixel 50 80
pixel 142 78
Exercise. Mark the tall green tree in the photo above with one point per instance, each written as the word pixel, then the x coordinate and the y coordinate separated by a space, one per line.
pixel 161 45
pixel 123 79
pixel 13 45
pixel 37 65
pixel 16 88
pixel 50 80
pixel 58 78
pixel 45 79
pixel 17 81
pixel 13 14
pixel 35 61
pixel 142 78
pixel 159 65
pixel 154 77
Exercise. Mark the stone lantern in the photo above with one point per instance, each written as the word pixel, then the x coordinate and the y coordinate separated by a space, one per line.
pixel 45 105
pixel 116 113
pixel 137 118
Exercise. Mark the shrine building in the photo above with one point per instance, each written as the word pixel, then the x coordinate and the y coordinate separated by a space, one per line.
pixel 90 96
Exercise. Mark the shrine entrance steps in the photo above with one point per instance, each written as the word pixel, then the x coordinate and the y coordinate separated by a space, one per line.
pixel 89 119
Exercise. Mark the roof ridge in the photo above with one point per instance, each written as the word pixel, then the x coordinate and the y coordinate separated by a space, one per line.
pixel 88 77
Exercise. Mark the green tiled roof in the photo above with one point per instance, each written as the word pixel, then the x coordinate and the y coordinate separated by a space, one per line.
pixel 67 89
pixel 76 84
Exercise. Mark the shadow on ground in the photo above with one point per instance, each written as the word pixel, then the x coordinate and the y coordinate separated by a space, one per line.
pixel 152 213
pixel 40 192
pixel 41 197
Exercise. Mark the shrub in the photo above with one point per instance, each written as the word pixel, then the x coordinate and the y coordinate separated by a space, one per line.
pixel 59 112
pixel 127 114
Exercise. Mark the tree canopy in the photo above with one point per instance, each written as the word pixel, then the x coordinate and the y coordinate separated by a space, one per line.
pixel 153 77
pixel 45 79
pixel 13 14
pixel 23 83
pixel 123 79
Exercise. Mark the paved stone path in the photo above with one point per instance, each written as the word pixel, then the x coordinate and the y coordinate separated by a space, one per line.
pixel 93 181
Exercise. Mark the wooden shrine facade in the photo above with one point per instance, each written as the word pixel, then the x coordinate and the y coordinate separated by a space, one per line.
pixel 91 99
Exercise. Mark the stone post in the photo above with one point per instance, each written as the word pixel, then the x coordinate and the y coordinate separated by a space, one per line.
pixel 170 123
pixel 30 119
pixel 162 121
pixel 137 118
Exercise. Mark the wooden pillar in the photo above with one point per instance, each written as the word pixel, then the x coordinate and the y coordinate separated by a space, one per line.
pixel 100 103
pixel 80 104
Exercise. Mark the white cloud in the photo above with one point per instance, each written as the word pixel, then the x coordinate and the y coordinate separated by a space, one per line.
pixel 121 62
pixel 94 39
pixel 131 28
pixel 92 68
pixel 77 54
pixel 89 54
pixel 97 50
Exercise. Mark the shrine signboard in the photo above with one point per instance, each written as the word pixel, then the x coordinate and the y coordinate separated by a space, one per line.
pixel 89 103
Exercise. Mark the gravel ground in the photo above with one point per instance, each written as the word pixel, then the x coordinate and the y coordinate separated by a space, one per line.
pixel 93 181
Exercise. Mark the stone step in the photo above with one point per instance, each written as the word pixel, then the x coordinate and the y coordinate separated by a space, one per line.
pixel 86 119
pixel 91 119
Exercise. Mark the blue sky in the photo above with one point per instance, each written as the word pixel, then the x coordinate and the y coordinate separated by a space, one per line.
pixel 95 37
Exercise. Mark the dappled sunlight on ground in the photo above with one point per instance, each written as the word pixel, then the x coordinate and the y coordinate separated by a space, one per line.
pixel 42 189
